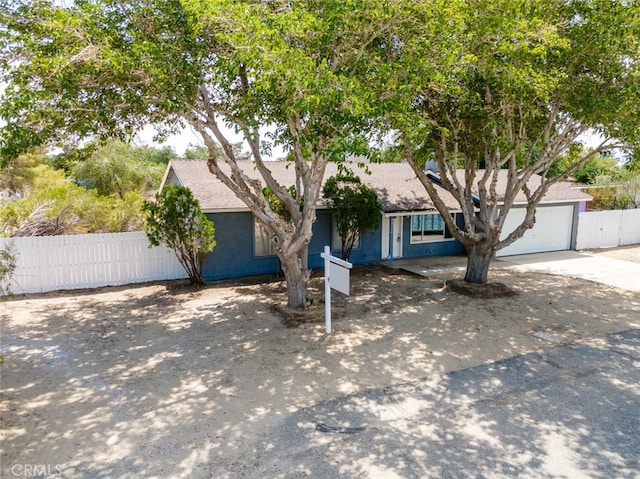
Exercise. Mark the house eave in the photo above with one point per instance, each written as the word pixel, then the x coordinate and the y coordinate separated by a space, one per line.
pixel 224 210
pixel 550 202
pixel 239 209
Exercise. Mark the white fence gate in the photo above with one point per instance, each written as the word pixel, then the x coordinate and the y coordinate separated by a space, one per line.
pixel 49 263
pixel 601 229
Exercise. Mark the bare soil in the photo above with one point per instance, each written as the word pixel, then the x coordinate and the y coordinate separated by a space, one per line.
pixel 166 380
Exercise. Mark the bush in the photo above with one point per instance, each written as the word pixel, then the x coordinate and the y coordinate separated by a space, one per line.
pixel 355 208
pixel 8 262
pixel 175 219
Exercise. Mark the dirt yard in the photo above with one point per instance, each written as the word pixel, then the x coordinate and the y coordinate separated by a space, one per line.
pixel 163 380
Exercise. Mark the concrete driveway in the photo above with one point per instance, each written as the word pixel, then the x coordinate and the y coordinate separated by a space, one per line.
pixel 593 267
pixel 600 268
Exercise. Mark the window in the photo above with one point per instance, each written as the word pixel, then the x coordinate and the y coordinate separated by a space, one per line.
pixel 429 227
pixel 336 241
pixel 262 244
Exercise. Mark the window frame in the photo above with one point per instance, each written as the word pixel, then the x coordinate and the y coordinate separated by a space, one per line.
pixel 336 242
pixel 421 237
pixel 261 234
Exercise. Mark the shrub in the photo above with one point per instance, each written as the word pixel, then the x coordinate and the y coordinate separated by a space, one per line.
pixel 175 219
pixel 8 262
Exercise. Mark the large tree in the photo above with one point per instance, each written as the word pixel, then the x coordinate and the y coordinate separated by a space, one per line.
pixel 105 68
pixel 117 168
pixel 515 86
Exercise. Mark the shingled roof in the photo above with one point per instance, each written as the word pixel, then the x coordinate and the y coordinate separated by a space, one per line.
pixel 558 193
pixel 397 186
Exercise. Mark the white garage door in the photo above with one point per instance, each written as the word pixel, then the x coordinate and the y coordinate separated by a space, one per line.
pixel 551 232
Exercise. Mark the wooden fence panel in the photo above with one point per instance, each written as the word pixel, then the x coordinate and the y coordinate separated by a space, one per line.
pixel 603 229
pixel 630 227
pixel 48 263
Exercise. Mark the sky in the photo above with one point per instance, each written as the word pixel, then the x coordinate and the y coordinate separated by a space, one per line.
pixel 179 142
pixel 188 138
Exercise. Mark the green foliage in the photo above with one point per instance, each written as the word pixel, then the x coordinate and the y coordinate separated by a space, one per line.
pixel 277 205
pixel 19 174
pixel 388 154
pixel 175 219
pixel 117 168
pixel 355 208
pixel 8 263
pixel 99 70
pixel 48 203
pixel 596 167
pixel 618 190
pixel 564 162
pixel 150 154
pixel 78 69
pixel 632 161
pixel 197 152
pixel 90 189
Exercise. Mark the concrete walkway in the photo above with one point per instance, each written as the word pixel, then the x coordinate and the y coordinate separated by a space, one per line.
pixel 593 267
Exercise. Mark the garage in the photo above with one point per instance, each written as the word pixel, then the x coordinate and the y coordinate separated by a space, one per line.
pixel 551 232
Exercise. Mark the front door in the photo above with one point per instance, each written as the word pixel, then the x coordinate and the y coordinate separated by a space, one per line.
pixel 392 237
pixel 396 230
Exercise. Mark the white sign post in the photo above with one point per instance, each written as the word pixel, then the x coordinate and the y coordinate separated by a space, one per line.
pixel 336 276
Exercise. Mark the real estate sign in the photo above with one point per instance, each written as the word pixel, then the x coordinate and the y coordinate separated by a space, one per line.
pixel 336 276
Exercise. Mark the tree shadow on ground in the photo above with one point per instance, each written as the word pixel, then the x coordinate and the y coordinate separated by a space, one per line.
pixel 170 381
pixel 568 412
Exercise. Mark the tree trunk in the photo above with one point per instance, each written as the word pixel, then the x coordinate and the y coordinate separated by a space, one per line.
pixel 297 275
pixel 478 262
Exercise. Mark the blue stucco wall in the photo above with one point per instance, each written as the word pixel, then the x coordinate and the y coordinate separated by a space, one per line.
pixel 234 254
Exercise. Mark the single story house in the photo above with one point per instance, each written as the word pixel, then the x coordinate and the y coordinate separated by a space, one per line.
pixel 411 226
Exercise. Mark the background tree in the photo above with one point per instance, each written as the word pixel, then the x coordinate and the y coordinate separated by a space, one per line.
pixel 199 152
pixel 196 152
pixel 355 208
pixel 41 201
pixel 116 168
pixel 612 186
pixel 507 88
pixel 19 174
pixel 52 194
pixel 106 68
pixel 175 219
pixel 596 167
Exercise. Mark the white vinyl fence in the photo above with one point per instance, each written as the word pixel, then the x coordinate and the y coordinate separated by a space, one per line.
pixel 601 229
pixel 49 263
